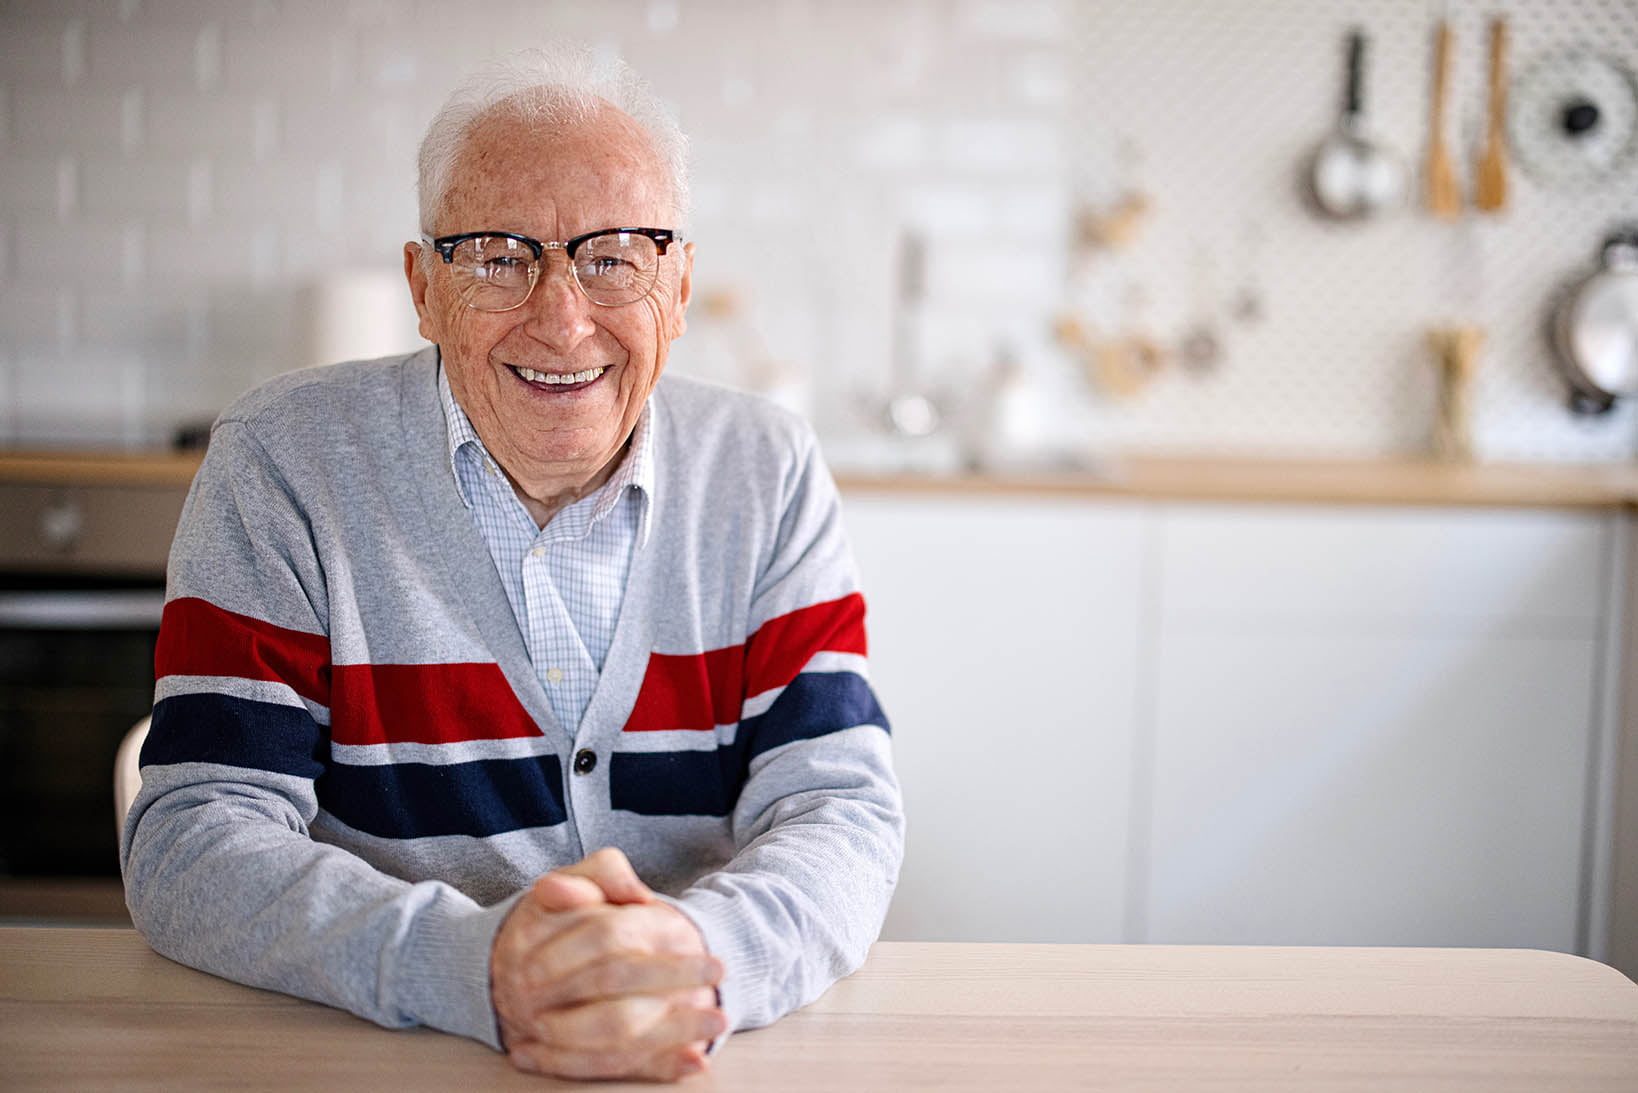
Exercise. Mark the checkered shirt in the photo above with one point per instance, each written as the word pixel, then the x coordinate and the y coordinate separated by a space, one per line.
pixel 565 581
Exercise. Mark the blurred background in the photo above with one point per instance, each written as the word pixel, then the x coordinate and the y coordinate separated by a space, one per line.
pixel 1103 205
pixel 1209 649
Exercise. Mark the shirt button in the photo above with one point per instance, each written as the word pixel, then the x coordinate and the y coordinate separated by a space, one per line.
pixel 585 761
pixel 554 675
pixel 489 465
pixel 538 552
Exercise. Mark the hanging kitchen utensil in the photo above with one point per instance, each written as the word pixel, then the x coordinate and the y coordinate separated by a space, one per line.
pixel 1350 177
pixel 1443 198
pixel 1572 118
pixel 1121 365
pixel 1456 356
pixel 1490 178
pixel 1116 226
pixel 1595 328
pixel 906 411
pixel 1200 348
pixel 909 411
pixel 1249 305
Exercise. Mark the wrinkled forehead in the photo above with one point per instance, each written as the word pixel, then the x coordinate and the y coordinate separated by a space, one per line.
pixel 603 165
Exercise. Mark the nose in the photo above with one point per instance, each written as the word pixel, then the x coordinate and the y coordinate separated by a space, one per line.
pixel 557 313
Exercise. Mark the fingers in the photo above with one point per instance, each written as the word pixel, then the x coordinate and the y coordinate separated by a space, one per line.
pixel 659 1066
pixel 629 934
pixel 611 871
pixel 619 976
pixel 657 1037
pixel 579 887
pixel 525 928
pixel 592 976
pixel 541 962
pixel 562 891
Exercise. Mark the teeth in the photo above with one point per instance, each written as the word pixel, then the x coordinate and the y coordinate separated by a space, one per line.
pixel 560 377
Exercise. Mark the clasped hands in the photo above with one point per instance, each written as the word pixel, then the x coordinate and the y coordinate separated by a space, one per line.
pixel 593 976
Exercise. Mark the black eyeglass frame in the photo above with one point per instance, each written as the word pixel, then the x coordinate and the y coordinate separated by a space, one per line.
pixel 445 246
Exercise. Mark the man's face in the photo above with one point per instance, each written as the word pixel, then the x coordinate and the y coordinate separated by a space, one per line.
pixel 554 184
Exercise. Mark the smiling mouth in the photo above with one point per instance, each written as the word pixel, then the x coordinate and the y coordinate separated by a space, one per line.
pixel 561 380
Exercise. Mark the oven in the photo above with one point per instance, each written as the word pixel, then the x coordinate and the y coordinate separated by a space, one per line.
pixel 82 586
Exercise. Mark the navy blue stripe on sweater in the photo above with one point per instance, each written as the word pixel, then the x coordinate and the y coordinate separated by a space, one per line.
pixel 814 704
pixel 238 732
pixel 708 783
pixel 395 801
pixel 419 800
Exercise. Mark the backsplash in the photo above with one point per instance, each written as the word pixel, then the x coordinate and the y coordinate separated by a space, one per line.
pixel 188 187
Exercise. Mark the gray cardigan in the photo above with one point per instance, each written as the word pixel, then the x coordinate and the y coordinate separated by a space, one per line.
pixel 353 769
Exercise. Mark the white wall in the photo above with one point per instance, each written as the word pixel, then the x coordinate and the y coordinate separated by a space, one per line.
pixel 209 159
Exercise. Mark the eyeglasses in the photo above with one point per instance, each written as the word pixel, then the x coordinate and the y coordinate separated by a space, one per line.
pixel 496 271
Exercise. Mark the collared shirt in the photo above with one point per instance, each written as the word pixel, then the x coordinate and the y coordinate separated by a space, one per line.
pixel 565 581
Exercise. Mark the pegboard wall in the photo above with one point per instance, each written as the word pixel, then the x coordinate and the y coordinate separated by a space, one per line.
pixel 1222 103
pixel 214 160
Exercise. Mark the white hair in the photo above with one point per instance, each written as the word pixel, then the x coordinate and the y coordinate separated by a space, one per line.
pixel 562 84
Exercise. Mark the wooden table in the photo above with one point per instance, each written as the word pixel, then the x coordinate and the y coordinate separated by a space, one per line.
pixel 94 1009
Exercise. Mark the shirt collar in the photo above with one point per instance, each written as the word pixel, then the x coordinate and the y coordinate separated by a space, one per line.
pixel 459 431
pixel 635 470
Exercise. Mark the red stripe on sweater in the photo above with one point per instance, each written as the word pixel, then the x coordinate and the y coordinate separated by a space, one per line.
pixel 700 691
pixel 197 638
pixel 369 703
pixel 691 691
pixel 425 704
pixel 782 645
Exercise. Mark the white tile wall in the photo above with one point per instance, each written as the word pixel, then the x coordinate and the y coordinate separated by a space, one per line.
pixel 285 56
pixel 35 183
pixel 74 254
pixel 43 52
pixel 81 395
pixel 146 185
pixel 1025 20
pixel 38 317
pixel 50 118
pixel 8 394
pixel 155 56
pixel 210 159
pixel 236 127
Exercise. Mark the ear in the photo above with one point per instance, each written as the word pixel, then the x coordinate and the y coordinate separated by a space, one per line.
pixel 685 291
pixel 415 274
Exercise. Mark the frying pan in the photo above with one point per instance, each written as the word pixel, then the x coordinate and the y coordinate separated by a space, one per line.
pixel 1349 177
pixel 1595 328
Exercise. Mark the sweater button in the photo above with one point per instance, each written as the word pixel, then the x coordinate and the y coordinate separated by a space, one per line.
pixel 585 761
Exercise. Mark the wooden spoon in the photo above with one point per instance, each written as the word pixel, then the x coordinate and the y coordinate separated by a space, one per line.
pixel 1490 187
pixel 1443 197
pixel 1456 355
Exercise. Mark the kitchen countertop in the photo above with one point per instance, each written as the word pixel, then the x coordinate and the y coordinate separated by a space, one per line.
pixel 87 468
pixel 1356 481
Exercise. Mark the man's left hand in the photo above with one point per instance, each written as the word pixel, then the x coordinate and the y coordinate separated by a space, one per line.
pixel 593 976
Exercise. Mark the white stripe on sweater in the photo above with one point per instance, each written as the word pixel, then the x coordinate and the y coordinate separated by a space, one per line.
pixel 463 751
pixel 758 704
pixel 251 690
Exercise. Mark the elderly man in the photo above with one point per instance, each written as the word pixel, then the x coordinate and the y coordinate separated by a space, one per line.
pixel 504 687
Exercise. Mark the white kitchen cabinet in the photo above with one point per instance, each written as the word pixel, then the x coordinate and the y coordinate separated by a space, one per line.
pixel 1002 645
pixel 1322 789
pixel 1302 724
pixel 1372 726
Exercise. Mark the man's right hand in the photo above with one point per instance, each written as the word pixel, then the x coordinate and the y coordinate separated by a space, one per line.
pixel 594 977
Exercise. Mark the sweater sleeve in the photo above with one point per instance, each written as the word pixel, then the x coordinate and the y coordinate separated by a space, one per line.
pixel 818 827
pixel 220 870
